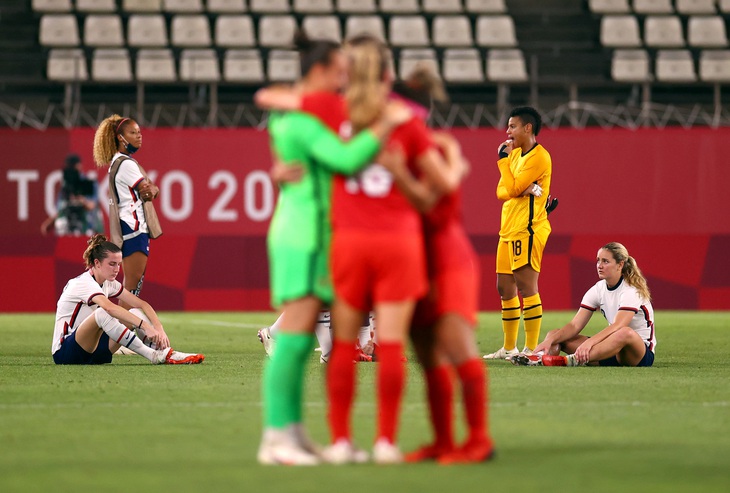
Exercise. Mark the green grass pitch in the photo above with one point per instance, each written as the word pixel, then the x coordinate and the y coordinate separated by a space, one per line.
pixel 133 427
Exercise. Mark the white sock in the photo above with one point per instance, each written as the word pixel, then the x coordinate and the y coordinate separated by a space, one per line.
pixel 275 327
pixel 322 331
pixel 373 332
pixel 363 335
pixel 120 334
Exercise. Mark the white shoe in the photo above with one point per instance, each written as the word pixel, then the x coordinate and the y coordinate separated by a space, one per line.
pixel 123 351
pixel 344 452
pixel 278 448
pixel 264 336
pixel 502 354
pixel 301 437
pixel 385 452
pixel 324 358
pixel 169 356
pixel 527 351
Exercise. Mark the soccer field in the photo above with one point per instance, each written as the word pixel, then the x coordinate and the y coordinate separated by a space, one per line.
pixel 130 426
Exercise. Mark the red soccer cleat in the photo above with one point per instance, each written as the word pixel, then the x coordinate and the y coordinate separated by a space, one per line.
pixel 427 453
pixel 472 452
pixel 548 360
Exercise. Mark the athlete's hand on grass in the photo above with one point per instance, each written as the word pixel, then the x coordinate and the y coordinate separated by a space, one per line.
pixel 286 173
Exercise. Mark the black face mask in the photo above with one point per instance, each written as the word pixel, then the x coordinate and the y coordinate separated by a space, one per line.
pixel 129 147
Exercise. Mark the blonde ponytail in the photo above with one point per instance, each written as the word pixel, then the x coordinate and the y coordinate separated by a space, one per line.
pixel 367 94
pixel 105 140
pixel 630 271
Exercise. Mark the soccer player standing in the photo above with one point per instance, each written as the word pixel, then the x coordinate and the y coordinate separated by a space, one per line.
pixel 525 171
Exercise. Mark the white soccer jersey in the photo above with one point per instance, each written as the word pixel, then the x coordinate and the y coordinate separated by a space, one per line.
pixel 623 297
pixel 75 304
pixel 130 203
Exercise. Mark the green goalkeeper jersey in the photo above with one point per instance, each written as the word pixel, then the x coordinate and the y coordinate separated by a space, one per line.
pixel 299 234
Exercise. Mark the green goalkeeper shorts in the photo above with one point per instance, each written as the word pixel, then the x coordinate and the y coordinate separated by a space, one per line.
pixel 297 272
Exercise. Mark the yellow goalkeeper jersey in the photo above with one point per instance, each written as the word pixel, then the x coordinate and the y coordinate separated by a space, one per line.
pixel 524 215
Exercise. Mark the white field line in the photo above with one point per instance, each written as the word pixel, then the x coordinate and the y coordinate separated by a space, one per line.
pixel 207 404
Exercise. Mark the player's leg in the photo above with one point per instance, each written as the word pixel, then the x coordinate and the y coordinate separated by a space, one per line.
pixel 134 263
pixel 527 262
pixel 507 288
pixel 393 321
pixel 625 344
pixel 324 335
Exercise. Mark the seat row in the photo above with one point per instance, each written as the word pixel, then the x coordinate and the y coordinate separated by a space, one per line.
pixel 247 66
pixel 106 30
pixel 663 31
pixel 648 7
pixel 670 66
pixel 275 6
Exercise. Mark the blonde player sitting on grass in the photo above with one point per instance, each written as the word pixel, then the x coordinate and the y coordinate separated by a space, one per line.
pixel 624 299
pixel 90 327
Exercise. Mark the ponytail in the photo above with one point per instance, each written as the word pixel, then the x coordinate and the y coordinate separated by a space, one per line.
pixel 366 95
pixel 98 248
pixel 630 271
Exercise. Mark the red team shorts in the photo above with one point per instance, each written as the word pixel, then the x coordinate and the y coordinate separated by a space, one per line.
pixel 454 279
pixel 378 267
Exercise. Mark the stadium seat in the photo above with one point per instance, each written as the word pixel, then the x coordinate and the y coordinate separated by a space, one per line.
pixel 243 66
pixel 146 30
pixel 51 6
pixel 59 30
pixel 400 6
pixel 365 24
pixel 653 7
pixel 103 30
pixel 663 31
pixel 283 66
pixel 724 6
pixel 706 31
pixel 609 6
pixel 269 6
pixel 442 6
pixel 675 66
pixel 111 65
pixel 486 6
pixel 408 30
pixel 506 66
pixel 620 31
pixel 356 6
pixel 190 31
pixel 693 7
pixel 226 6
pixel 452 31
pixel 313 6
pixel 496 31
pixel 155 65
pixel 276 30
pixel 463 65
pixel 410 58
pixel 323 27
pixel 66 65
pixel 233 31
pixel 142 5
pixel 630 66
pixel 199 65
pixel 96 6
pixel 183 6
pixel 715 65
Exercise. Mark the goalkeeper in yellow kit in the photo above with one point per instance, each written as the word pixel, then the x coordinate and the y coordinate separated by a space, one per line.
pixel 524 186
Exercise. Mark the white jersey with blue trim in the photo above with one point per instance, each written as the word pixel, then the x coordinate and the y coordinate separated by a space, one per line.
pixel 623 297
pixel 75 304
pixel 130 204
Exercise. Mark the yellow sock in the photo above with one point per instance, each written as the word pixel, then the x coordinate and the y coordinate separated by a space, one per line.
pixel 510 322
pixel 533 319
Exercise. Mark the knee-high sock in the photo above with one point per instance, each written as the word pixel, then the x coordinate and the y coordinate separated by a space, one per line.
pixel 510 322
pixel 120 334
pixel 340 388
pixel 532 313
pixel 440 389
pixel 283 379
pixel 473 377
pixel 322 331
pixel 390 380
